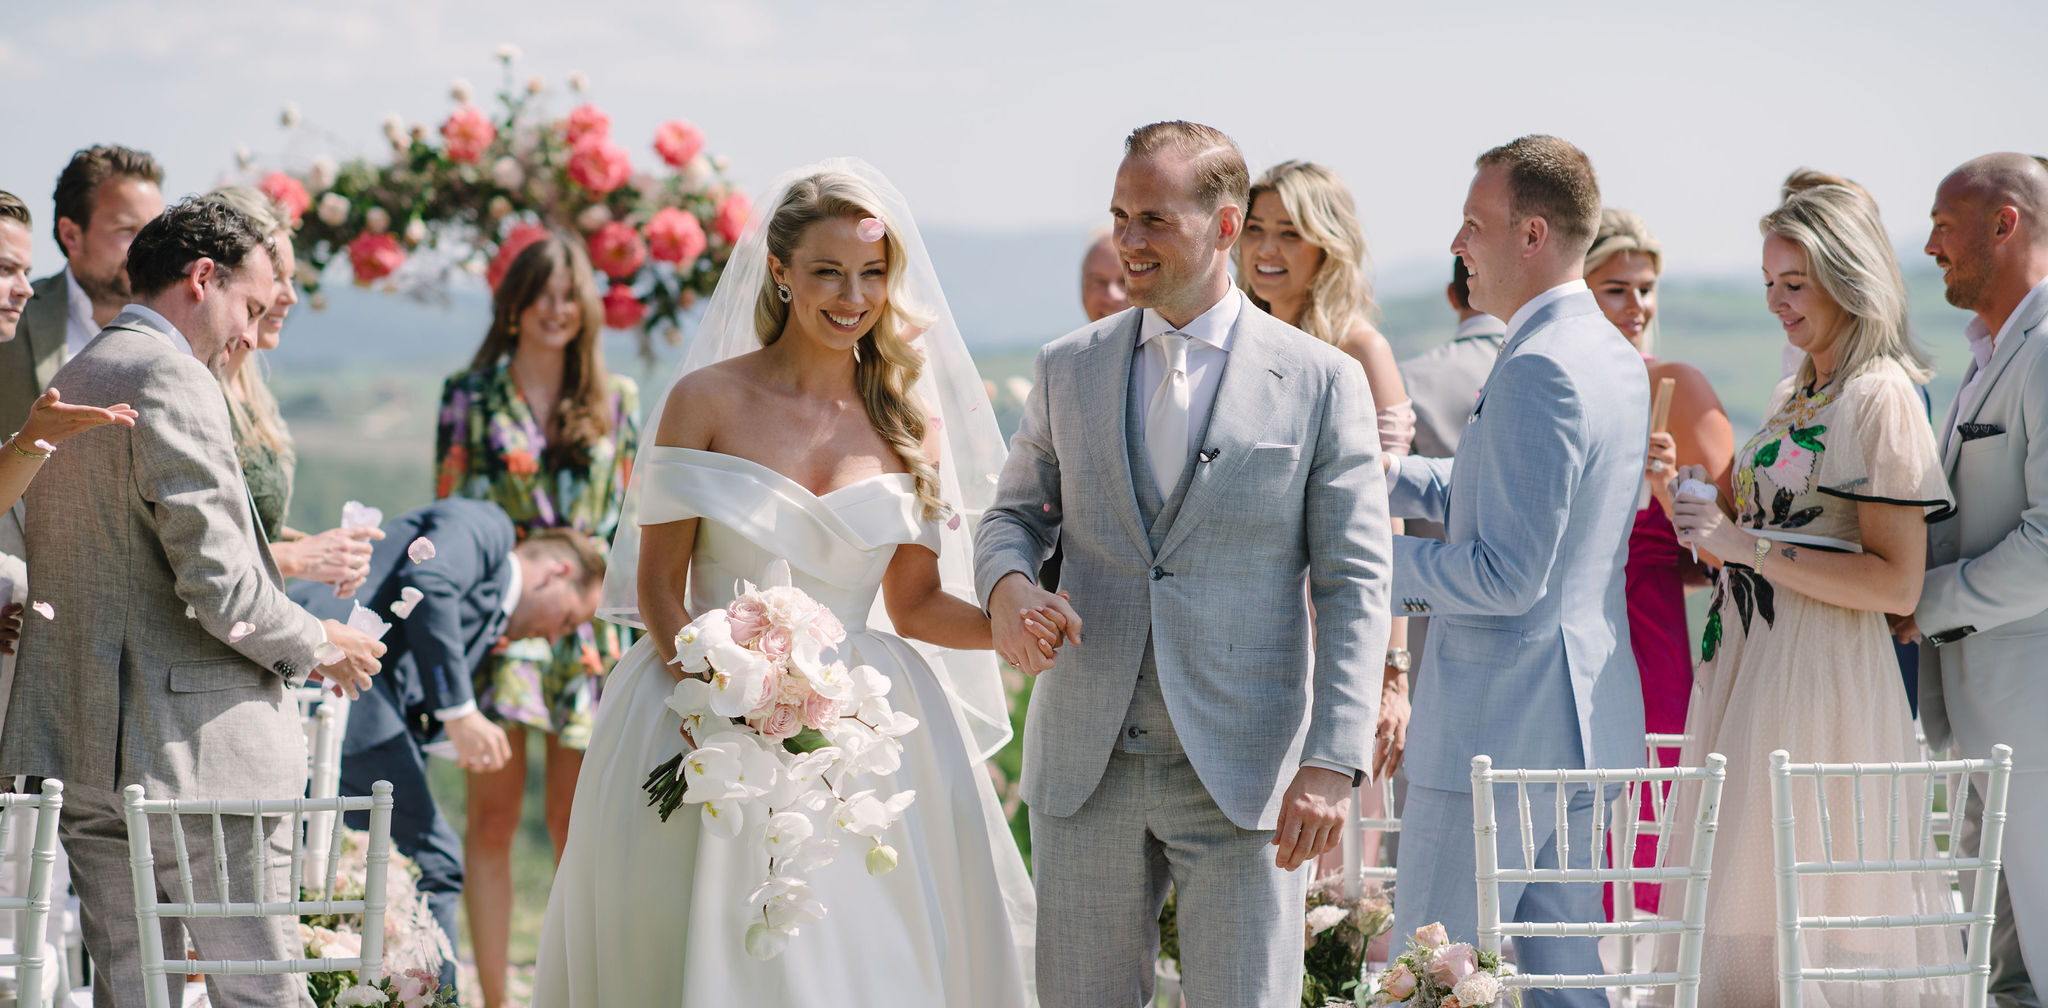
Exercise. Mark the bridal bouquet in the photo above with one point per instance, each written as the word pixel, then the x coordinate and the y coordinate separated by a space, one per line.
pixel 1435 973
pixel 783 735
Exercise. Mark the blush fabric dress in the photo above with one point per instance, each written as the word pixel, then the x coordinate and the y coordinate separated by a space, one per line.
pixel 653 914
pixel 1781 670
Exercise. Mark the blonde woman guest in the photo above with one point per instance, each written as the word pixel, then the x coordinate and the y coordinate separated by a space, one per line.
pixel 537 426
pixel 1622 269
pixel 1302 259
pixel 1827 533
pixel 263 444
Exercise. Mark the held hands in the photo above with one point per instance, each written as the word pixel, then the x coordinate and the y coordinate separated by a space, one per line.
pixel 479 745
pixel 54 421
pixel 1311 816
pixel 1030 623
pixel 358 662
pixel 1702 524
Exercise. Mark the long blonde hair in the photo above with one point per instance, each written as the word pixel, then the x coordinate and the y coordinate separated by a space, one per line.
pixel 1623 231
pixel 1319 204
pixel 1835 221
pixel 886 366
pixel 250 401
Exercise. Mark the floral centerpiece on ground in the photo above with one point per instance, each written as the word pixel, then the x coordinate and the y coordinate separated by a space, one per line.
pixel 781 738
pixel 1438 973
pixel 414 944
pixel 486 183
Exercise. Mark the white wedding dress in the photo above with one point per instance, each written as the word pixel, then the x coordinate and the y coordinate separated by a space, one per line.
pixel 645 913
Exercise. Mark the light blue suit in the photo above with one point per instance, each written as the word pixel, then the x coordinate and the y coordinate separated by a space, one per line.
pixel 1528 658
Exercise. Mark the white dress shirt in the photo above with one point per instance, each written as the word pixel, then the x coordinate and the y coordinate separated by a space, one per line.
pixel 511 601
pixel 1984 343
pixel 79 328
pixel 1208 350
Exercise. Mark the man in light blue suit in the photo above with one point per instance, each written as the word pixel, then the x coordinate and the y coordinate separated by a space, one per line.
pixel 1528 657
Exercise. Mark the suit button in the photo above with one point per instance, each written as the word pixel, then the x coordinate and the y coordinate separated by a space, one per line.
pixel 1131 732
pixel 1156 575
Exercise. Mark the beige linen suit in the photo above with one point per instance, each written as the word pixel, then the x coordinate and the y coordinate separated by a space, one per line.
pixel 129 530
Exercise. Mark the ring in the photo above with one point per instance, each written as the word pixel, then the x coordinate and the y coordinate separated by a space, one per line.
pixel 1657 465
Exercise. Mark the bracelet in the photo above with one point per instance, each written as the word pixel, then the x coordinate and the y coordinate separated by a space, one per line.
pixel 15 444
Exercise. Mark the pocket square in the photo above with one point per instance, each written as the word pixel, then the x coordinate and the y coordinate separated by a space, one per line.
pixel 1273 444
pixel 1973 431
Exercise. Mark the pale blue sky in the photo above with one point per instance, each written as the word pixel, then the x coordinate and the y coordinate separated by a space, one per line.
pixel 1008 117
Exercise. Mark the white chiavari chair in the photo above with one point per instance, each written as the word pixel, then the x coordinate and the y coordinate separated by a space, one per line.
pixel 1921 853
pixel 1623 830
pixel 324 716
pixel 36 966
pixel 189 902
pixel 1654 805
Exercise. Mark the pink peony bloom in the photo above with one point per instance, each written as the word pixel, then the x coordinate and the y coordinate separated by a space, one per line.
pixel 599 166
pixel 621 309
pixel 677 142
pixel 469 133
pixel 775 642
pixel 288 192
pixel 509 249
pixel 820 711
pixel 617 251
pixel 732 215
pixel 585 122
pixel 782 722
pixel 375 256
pixel 675 236
pixel 1452 963
pixel 1398 983
pixel 1431 935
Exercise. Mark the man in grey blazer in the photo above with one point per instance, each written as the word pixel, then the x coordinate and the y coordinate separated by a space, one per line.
pixel 169 644
pixel 1984 607
pixel 1528 657
pixel 1209 472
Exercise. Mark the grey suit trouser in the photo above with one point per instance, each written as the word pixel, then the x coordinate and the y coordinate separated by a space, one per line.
pixel 95 837
pixel 2011 987
pixel 1102 874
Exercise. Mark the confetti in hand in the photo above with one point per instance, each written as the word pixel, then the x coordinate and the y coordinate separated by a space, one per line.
pixel 240 630
pixel 45 610
pixel 407 598
pixel 327 654
pixel 421 550
pixel 356 514
pixel 367 623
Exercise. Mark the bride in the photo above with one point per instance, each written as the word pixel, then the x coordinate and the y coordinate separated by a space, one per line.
pixel 827 416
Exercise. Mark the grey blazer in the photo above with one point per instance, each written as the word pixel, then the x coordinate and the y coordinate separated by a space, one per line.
pixel 1286 507
pixel 127 528
pixel 1444 385
pixel 1528 657
pixel 30 360
pixel 1987 566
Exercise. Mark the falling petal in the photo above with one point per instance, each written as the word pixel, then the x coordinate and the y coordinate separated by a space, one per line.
pixel 1047 508
pixel 45 610
pixel 240 630
pixel 421 550
pixel 870 229
pixel 191 613
pixel 407 598
pixel 953 522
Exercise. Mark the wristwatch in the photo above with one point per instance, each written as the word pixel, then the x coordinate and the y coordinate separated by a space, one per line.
pixel 1399 659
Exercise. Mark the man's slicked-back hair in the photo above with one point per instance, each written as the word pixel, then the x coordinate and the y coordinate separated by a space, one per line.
pixel 189 230
pixel 1552 179
pixel 1220 174
pixel 81 179
pixel 12 208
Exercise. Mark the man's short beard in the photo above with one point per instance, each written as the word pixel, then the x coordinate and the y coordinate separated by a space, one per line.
pixel 103 289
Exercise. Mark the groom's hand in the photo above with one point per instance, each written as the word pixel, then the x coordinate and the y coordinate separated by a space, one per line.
pixel 1013 601
pixel 1311 816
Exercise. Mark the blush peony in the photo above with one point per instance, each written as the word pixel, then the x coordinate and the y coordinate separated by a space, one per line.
pixel 375 255
pixel 469 133
pixel 599 165
pixel 621 309
pixel 509 249
pixel 288 192
pixel 732 214
pixel 677 142
pixel 585 122
pixel 617 250
pixel 675 236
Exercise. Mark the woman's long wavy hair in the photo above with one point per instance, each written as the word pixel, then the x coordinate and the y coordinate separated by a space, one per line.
pixel 583 416
pixel 1320 205
pixel 1849 255
pixel 886 365
pixel 250 400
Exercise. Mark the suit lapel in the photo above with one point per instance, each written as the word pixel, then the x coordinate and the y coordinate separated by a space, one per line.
pixel 1103 380
pixel 1970 401
pixel 48 321
pixel 1254 378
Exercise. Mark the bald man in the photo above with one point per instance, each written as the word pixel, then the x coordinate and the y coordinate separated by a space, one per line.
pixel 1102 279
pixel 1984 610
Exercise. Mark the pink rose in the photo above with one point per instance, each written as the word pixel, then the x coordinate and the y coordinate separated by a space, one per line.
pixel 1452 963
pixel 747 618
pixel 509 249
pixel 820 711
pixel 599 166
pixel 469 133
pixel 375 256
pixel 586 122
pixel 415 988
pixel 288 192
pixel 1398 983
pixel 616 249
pixel 826 628
pixel 775 642
pixel 732 214
pixel 782 722
pixel 677 142
pixel 1431 935
pixel 675 236
pixel 621 309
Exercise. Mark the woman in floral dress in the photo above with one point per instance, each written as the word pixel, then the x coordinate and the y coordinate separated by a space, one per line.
pixel 536 426
pixel 1828 534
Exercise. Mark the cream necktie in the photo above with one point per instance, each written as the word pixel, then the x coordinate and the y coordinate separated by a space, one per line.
pixel 1166 419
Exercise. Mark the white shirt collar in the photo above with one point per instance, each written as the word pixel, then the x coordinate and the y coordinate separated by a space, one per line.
pixel 160 324
pixel 1983 343
pixel 1212 327
pixel 79 328
pixel 1539 302
pixel 513 585
pixel 1480 325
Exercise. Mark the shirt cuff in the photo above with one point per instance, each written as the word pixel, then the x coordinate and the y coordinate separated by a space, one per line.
pixel 461 710
pixel 1393 466
pixel 1323 764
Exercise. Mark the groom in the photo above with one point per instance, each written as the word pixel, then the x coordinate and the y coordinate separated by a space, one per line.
pixel 1528 658
pixel 1210 473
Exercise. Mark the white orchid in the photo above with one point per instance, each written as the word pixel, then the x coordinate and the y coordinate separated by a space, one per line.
pixel 786 834
pixel 694 642
pixel 740 679
pixel 787 904
pixel 813 854
pixel 691 699
pixel 863 814
pixel 764 942
pixel 881 859
pixel 832 680
pixel 724 818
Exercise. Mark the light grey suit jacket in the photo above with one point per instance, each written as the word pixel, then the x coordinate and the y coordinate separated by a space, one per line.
pixel 126 529
pixel 1286 507
pixel 1528 657
pixel 30 360
pixel 1987 566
